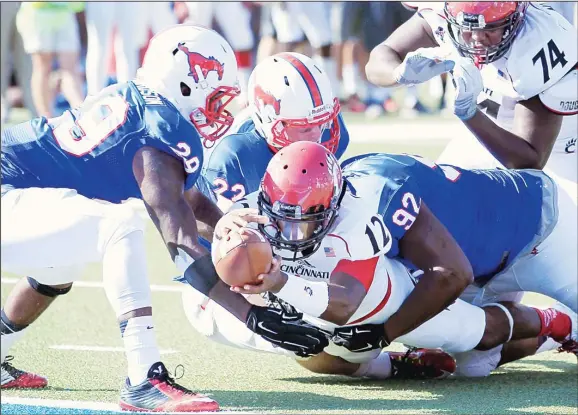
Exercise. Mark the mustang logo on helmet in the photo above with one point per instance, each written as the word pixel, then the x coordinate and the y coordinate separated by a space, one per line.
pixel 267 98
pixel 207 65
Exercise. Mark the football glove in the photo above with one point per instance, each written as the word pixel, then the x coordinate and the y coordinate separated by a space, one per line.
pixel 468 83
pixel 287 330
pixel 361 338
pixel 422 65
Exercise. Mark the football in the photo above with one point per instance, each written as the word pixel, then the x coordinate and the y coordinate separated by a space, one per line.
pixel 241 256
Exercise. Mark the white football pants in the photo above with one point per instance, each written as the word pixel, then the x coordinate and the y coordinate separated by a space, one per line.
pixel 52 234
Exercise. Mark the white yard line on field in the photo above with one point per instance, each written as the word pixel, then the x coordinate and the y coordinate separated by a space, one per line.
pixel 81 348
pixel 84 405
pixel 176 288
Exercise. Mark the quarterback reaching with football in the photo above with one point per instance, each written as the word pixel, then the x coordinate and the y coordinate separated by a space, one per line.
pixel 316 217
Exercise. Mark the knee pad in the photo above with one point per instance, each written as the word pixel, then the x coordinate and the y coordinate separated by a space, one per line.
pixel 47 290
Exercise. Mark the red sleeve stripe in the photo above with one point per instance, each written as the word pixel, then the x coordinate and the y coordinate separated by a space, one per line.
pixel 379 306
pixel 558 112
pixel 307 78
pixel 363 271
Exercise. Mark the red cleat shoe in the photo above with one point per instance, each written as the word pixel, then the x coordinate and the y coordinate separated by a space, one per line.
pixel 421 364
pixel 160 393
pixel 13 378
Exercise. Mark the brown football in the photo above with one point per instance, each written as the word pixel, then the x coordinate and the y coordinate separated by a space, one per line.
pixel 242 256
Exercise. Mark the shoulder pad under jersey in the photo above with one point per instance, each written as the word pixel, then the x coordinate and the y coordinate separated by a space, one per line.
pixel 561 97
pixel 433 13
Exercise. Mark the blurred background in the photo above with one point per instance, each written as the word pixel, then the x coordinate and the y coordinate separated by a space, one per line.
pixel 55 53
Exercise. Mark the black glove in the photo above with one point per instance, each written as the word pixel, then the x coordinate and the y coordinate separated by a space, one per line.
pixel 361 338
pixel 287 330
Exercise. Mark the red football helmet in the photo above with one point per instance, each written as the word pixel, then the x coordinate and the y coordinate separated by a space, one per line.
pixel 300 193
pixel 484 30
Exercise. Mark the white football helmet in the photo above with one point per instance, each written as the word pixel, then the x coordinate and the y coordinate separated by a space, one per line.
pixel 291 100
pixel 195 69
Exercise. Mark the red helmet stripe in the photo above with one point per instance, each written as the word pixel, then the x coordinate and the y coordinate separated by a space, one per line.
pixel 307 78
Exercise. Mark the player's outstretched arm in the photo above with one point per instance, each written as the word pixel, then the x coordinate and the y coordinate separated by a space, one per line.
pixel 161 180
pixel 386 57
pixel 447 272
pixel 205 210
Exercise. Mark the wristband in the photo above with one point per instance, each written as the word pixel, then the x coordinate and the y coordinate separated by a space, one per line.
pixel 310 297
pixel 202 275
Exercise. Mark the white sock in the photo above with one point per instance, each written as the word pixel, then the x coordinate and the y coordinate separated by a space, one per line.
pixel 8 340
pixel 378 368
pixel 350 80
pixel 140 347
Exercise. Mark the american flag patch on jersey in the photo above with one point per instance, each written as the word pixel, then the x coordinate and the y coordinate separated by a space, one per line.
pixel 329 252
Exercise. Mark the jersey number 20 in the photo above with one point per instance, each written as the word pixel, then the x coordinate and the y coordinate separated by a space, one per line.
pixel 97 122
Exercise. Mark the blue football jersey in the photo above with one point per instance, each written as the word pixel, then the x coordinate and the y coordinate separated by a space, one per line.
pixel 235 167
pixel 91 149
pixel 492 214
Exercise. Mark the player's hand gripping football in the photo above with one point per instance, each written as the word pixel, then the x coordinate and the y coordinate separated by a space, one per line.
pixel 287 330
pixel 422 65
pixel 273 281
pixel 468 82
pixel 361 338
pixel 234 220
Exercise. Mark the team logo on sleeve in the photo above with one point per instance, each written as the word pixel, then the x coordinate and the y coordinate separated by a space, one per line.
pixel 206 64
pixel 264 98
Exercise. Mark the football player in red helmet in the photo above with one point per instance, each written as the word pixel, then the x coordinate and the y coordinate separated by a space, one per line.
pixel 484 30
pixel 333 234
pixel 301 201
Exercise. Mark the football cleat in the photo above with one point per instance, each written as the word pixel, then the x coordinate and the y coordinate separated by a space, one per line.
pixel 13 378
pixel 421 364
pixel 160 393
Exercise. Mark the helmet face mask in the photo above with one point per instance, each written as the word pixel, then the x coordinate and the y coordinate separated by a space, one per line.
pixel 196 70
pixel 287 131
pixel 300 193
pixel 290 230
pixel 214 120
pixel 484 31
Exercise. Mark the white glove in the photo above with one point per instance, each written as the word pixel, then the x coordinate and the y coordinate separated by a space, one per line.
pixel 422 65
pixel 468 82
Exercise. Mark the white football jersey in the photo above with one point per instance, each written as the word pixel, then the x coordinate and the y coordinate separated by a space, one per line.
pixel 540 62
pixel 388 281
